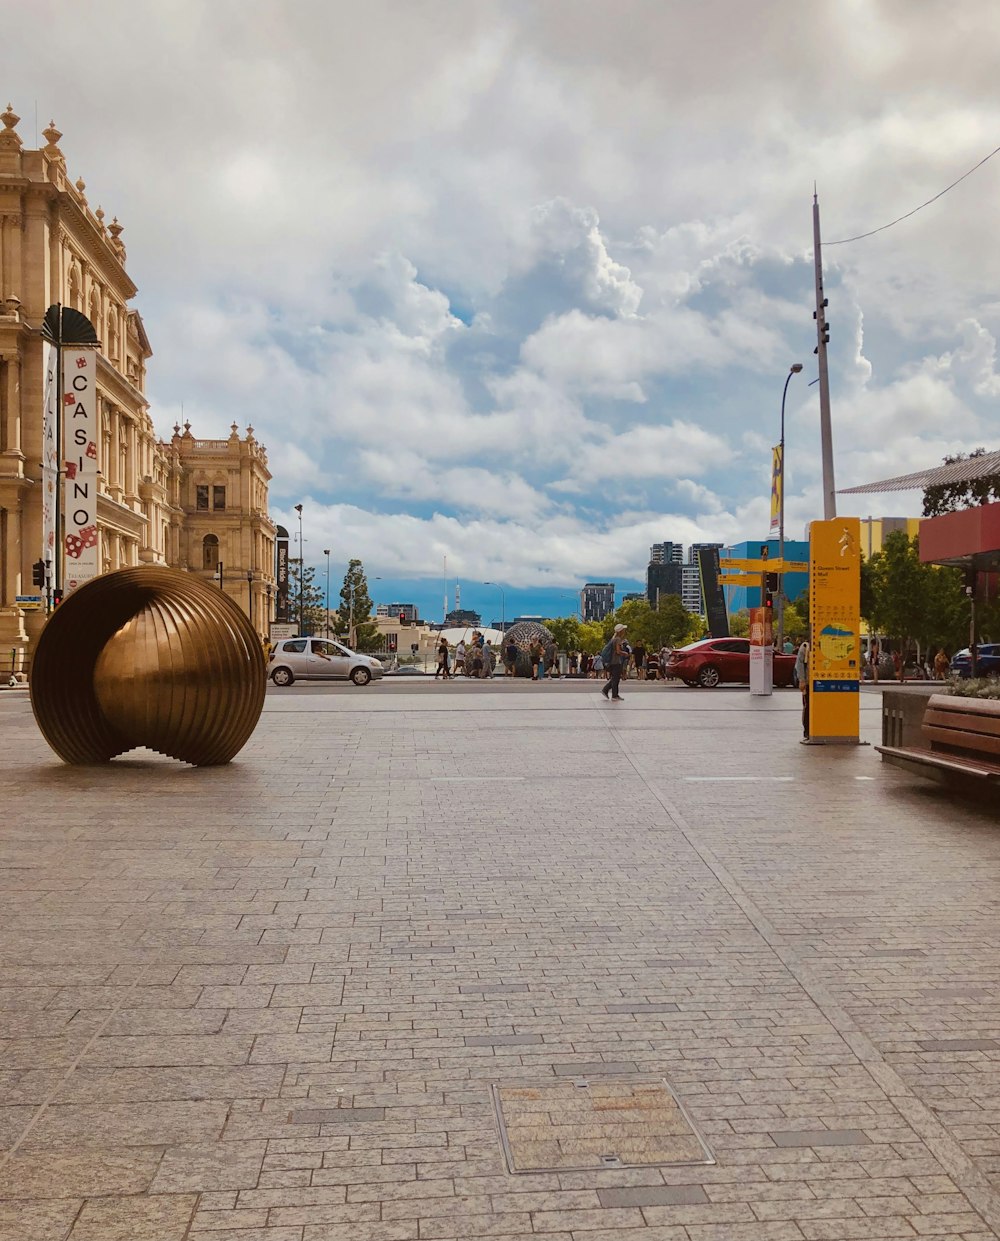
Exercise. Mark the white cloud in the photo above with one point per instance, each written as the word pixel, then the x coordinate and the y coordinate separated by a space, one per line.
pixel 543 268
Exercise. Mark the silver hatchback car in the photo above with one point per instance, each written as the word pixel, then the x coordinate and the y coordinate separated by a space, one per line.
pixel 320 659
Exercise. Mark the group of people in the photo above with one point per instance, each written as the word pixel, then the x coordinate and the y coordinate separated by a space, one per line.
pixel 933 669
pixel 476 659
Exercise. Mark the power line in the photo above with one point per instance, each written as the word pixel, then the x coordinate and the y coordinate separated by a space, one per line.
pixel 844 240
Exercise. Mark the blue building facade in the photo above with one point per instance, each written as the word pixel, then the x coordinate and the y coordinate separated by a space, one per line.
pixel 738 597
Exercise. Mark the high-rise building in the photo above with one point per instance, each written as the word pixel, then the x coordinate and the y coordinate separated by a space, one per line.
pixel 691 592
pixel 597 600
pixel 407 610
pixel 666 553
pixel 664 577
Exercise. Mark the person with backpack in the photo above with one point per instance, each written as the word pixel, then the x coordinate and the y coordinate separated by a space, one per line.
pixel 615 657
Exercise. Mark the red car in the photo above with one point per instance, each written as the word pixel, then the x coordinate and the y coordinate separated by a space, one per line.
pixel 712 661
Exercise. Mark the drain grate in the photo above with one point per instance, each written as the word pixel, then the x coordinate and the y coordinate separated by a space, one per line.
pixel 583 1125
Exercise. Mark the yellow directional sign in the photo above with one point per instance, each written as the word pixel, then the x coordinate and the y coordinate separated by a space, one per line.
pixel 765 566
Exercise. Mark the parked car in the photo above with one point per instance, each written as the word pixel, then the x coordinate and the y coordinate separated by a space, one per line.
pixel 405 670
pixel 712 661
pixel 320 659
pixel 987 661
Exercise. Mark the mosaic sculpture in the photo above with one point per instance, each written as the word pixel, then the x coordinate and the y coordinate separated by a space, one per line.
pixel 149 657
pixel 523 634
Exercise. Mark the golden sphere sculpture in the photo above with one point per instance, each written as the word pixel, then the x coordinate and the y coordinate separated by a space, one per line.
pixel 149 657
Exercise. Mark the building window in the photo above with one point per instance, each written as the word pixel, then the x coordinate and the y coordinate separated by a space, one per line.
pixel 218 498
pixel 201 501
pixel 210 552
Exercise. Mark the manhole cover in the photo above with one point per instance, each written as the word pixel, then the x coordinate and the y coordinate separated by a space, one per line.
pixel 582 1125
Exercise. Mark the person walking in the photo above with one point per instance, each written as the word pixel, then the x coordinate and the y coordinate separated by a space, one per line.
pixel 619 652
pixel 442 663
pixel 941 665
pixel 460 658
pixel 639 659
pixel 535 654
pixel 510 657
pixel 874 653
pixel 802 680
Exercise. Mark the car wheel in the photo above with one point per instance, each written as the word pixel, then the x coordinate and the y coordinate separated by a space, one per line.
pixel 361 676
pixel 282 676
pixel 708 677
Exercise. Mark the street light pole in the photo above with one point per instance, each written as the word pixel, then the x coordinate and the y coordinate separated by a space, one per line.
pixel 794 369
pixel 302 575
pixel 503 604
pixel 822 339
pixel 326 553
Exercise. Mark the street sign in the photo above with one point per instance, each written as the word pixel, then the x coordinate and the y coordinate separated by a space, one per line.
pixel 29 603
pixel 765 565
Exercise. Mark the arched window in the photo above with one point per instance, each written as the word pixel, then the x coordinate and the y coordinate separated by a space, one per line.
pixel 210 551
pixel 74 286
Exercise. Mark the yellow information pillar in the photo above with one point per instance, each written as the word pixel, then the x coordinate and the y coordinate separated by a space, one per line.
pixel 834 624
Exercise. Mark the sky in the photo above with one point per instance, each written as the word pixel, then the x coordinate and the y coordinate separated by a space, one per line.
pixel 510 291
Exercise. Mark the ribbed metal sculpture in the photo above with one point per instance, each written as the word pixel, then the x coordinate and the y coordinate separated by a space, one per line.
pixel 148 657
pixel 523 634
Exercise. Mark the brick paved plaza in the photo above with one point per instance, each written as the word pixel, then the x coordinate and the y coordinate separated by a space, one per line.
pixel 277 1001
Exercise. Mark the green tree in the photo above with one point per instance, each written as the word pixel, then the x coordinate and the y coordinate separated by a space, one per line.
pixel 797 617
pixel 913 601
pixel 313 610
pixel 671 624
pixel 591 637
pixel 354 614
pixel 566 631
pixel 968 493
pixel 739 623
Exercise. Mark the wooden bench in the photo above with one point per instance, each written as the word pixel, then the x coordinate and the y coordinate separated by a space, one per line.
pixel 961 736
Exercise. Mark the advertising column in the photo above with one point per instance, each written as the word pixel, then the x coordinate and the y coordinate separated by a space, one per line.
pixel 834 623
pixel 80 438
pixel 761 652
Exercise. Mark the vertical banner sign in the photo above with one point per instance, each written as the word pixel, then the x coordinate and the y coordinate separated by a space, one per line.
pixel 80 473
pixel 761 652
pixel 777 484
pixel 834 622
pixel 50 454
pixel 712 593
pixel 281 576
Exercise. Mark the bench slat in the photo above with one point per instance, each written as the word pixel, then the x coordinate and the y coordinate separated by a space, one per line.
pixel 961 740
pixel 971 721
pixel 970 706
pixel 934 758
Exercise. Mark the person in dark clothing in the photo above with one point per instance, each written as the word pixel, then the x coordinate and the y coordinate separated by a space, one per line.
pixel 620 654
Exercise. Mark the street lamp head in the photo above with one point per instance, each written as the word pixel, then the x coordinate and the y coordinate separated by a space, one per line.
pixel 298 507
pixel 326 551
pixel 796 367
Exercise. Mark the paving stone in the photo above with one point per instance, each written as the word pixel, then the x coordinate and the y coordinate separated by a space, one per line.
pixel 295 1002
pixel 150 1218
pixel 820 1137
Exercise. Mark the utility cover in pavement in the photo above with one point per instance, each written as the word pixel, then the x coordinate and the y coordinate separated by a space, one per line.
pixel 580 1125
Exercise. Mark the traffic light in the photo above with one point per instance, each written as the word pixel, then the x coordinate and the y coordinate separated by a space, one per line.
pixel 772 583
pixel 392 644
pixel 402 618
pixel 38 573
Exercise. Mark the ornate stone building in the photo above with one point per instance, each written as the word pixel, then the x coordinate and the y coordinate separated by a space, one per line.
pixel 158 502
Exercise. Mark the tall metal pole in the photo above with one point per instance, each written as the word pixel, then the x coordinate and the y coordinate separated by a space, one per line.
pixel 822 337
pixel 326 553
pixel 793 370
pixel 503 604
pixel 302 576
